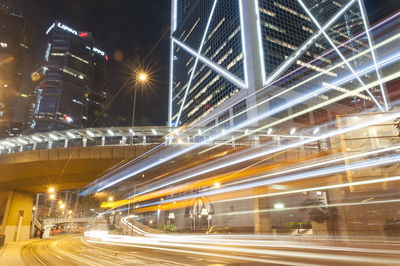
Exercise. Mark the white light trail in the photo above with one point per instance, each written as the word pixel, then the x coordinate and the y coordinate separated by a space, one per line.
pixel 289 178
pixel 237 127
pixel 322 104
pixel 389 40
pixel 320 164
pixel 350 184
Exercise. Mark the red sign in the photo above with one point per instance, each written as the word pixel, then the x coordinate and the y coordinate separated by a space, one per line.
pixel 106 56
pixel 83 34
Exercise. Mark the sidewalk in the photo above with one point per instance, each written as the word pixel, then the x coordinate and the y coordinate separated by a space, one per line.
pixel 10 253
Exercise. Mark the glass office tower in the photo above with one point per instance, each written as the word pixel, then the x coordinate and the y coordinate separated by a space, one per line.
pixel 70 92
pixel 14 47
pixel 239 59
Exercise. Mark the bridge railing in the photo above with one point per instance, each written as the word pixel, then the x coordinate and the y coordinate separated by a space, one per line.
pixel 130 136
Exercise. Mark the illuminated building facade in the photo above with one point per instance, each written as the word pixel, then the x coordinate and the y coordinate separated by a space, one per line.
pixel 14 46
pixel 70 81
pixel 229 56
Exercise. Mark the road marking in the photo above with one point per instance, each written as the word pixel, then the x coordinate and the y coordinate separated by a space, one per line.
pixel 204 253
pixel 36 257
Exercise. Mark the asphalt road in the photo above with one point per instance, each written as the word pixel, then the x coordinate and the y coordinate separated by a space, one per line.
pixel 75 250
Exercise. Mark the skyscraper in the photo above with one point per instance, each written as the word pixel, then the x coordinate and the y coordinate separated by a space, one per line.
pixel 14 46
pixel 237 59
pixel 70 89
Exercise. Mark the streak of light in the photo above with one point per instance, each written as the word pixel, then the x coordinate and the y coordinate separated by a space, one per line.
pixel 322 104
pixel 242 240
pixel 255 155
pixel 294 177
pixel 179 244
pixel 318 164
pixel 167 158
pixel 358 183
pixel 389 40
pixel 224 178
pixel 109 241
pixel 314 206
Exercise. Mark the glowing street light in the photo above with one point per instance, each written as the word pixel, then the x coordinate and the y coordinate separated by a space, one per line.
pixel 52 196
pixel 142 77
pixel 62 206
pixel 51 189
pixel 110 198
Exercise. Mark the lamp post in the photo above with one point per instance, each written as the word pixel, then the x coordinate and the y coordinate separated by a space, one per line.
pixel 141 78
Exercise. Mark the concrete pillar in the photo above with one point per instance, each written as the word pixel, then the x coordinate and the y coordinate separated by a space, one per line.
pixel 262 219
pixel 17 216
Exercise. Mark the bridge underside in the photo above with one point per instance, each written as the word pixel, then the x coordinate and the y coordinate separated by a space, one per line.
pixel 36 171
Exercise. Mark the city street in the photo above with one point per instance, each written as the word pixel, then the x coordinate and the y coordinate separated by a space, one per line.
pixel 73 249
pixel 212 132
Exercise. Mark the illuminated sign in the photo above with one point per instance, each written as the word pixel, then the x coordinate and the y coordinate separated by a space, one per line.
pixel 83 34
pixel 66 28
pixel 96 50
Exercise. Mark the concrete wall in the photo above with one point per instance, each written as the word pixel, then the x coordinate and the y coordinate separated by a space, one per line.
pixel 17 216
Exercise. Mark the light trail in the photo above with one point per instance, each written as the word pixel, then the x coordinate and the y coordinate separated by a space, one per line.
pixel 314 206
pixel 350 184
pixel 223 134
pixel 211 181
pixel 388 40
pixel 314 165
pixel 290 178
pixel 320 105
pixel 181 243
pixel 371 122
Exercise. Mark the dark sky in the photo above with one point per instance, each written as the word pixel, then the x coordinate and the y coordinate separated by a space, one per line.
pixel 130 27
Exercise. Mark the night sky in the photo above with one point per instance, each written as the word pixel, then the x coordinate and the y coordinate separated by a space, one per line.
pixel 122 28
pixel 126 30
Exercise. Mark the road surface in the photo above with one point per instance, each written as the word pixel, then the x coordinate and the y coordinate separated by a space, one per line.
pixel 75 250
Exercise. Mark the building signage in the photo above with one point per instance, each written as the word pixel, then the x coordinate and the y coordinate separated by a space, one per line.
pixel 96 50
pixel 83 34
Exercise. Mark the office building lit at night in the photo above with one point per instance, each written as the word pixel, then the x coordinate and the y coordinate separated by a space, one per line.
pixel 70 80
pixel 224 52
pixel 14 47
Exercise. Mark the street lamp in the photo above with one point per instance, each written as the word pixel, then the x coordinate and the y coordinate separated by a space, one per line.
pixel 110 198
pixel 141 79
pixel 51 189
pixel 52 196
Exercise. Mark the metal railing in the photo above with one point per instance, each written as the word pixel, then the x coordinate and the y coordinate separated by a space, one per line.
pixel 128 136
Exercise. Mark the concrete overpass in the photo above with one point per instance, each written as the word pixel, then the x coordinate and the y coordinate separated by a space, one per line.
pixel 72 159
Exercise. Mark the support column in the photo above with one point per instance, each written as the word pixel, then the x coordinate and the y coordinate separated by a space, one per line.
pixel 262 219
pixel 17 216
